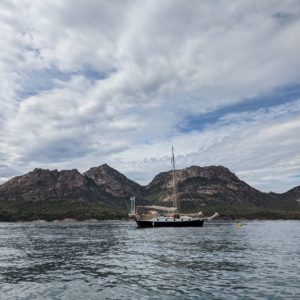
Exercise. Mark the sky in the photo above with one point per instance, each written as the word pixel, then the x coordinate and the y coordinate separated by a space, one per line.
pixel 88 82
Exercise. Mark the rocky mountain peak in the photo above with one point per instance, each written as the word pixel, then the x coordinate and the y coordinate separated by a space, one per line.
pixel 43 184
pixel 212 182
pixel 113 181
pixel 207 173
pixel 210 172
pixel 293 194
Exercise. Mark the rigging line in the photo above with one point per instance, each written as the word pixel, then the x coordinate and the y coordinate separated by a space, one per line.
pixel 126 203
pixel 175 196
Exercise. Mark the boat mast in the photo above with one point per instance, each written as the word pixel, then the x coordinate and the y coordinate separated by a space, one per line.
pixel 132 207
pixel 175 198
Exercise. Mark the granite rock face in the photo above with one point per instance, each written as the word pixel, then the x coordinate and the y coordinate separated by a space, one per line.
pixel 292 194
pixel 46 185
pixel 200 180
pixel 211 185
pixel 113 182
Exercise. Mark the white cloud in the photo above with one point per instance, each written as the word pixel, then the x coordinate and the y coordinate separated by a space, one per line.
pixel 156 63
pixel 260 147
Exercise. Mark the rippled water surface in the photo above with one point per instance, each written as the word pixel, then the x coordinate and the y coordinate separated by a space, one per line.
pixel 115 260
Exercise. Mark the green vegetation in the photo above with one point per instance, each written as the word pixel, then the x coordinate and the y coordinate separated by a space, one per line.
pixel 242 211
pixel 57 210
pixel 255 212
pixel 251 212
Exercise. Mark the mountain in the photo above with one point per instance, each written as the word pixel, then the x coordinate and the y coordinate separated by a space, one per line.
pixel 113 182
pixel 216 188
pixel 45 185
pixel 207 184
pixel 202 183
pixel 103 192
pixel 293 194
pixel 51 195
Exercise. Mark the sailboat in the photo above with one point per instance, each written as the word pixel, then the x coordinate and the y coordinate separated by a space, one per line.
pixel 161 216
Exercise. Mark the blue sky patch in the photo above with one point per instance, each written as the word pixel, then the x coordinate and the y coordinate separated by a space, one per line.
pixel 37 81
pixel 274 98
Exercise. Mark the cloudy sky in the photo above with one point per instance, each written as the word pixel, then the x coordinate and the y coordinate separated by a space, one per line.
pixel 87 82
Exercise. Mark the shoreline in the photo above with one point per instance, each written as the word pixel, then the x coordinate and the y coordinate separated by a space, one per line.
pixel 95 221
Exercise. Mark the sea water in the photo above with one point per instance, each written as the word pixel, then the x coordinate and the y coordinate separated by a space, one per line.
pixel 116 260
